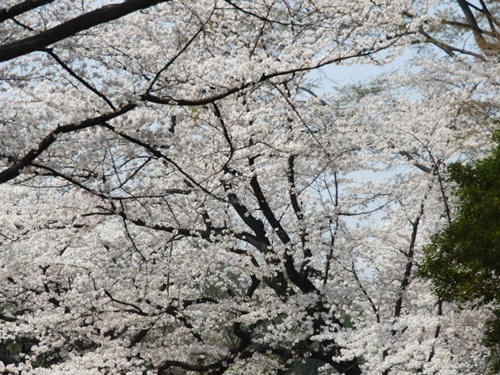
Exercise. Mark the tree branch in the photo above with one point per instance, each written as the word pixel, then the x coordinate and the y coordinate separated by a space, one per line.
pixel 15 170
pixel 21 8
pixel 80 79
pixel 69 28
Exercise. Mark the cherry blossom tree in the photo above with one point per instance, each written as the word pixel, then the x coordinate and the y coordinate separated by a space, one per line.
pixel 177 199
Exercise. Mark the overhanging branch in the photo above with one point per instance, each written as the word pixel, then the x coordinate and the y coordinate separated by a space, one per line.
pixel 21 8
pixel 70 28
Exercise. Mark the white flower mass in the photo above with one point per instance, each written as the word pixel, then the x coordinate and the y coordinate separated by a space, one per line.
pixel 177 199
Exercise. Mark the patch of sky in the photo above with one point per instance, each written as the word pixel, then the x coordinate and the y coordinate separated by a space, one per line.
pixel 331 77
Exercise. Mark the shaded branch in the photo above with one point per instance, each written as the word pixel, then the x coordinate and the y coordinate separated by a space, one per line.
pixel 292 191
pixel 21 8
pixel 181 51
pixel 476 30
pixel 168 100
pixel 365 293
pixel 80 79
pixel 448 49
pixel 303 283
pixel 69 28
pixel 15 170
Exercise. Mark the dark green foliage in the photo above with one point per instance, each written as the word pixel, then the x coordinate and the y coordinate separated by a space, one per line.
pixel 305 367
pixel 463 260
pixel 14 351
pixel 11 351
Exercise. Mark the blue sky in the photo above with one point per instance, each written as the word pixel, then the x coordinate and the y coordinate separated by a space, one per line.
pixel 339 75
